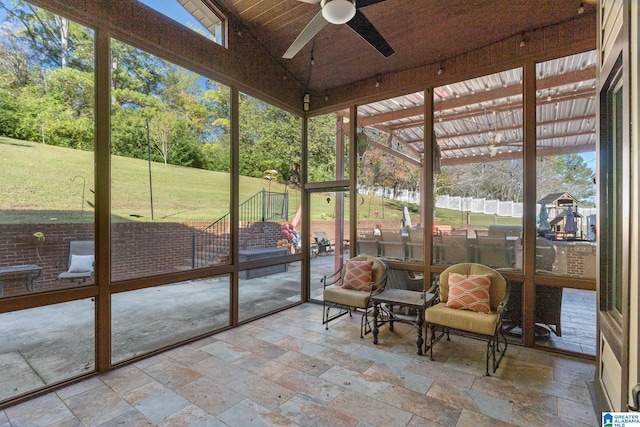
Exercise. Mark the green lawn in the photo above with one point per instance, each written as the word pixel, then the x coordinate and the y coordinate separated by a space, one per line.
pixel 43 183
pixel 457 218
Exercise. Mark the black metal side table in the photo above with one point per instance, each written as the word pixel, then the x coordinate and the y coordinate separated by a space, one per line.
pixel 403 298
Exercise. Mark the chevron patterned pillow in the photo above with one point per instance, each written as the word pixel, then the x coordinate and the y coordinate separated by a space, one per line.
pixel 469 292
pixel 357 275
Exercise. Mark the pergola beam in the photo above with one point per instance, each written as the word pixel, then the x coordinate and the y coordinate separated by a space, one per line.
pixel 395 153
pixel 517 155
pixel 480 97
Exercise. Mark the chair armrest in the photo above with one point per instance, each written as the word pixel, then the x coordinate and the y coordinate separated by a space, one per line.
pixel 377 287
pixel 502 307
pixel 325 279
pixel 435 287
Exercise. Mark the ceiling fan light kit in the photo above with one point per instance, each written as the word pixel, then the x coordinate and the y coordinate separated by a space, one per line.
pixel 338 11
pixel 341 12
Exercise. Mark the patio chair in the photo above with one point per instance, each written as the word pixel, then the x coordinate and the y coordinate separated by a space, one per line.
pixel 548 298
pixel 367 244
pixel 548 313
pixel 402 279
pixel 81 260
pixel 392 245
pixel 415 246
pixel 473 299
pixel 453 248
pixel 323 244
pixel 351 287
pixel 494 251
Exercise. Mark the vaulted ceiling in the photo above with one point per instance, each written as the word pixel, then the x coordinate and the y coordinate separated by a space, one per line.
pixel 419 31
pixel 469 114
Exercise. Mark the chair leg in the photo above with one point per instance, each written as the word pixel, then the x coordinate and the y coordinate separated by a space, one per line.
pixel 497 343
pixel 325 312
pixel 365 323
pixel 325 315
pixel 434 337
pixel 491 354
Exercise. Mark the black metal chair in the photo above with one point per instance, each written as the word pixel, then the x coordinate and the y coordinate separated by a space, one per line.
pixel 440 318
pixel 336 295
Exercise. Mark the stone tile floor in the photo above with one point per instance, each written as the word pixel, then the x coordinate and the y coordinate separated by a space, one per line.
pixel 287 370
pixel 579 310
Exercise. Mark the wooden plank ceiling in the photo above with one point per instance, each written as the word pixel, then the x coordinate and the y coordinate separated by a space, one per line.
pixel 468 114
pixel 420 31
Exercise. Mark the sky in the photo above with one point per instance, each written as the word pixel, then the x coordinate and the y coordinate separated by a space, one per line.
pixel 175 11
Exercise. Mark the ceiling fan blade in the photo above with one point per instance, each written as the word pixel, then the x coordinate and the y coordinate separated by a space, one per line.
pixel 364 3
pixel 317 23
pixel 361 25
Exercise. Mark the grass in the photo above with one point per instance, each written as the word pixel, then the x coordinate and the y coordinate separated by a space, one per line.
pixel 44 184
pixel 457 218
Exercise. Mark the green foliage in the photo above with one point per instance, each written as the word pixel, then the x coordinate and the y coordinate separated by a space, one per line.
pixel 568 173
pixel 269 139
pixel 322 148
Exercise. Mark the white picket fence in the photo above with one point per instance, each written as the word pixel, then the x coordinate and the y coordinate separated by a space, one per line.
pixel 469 204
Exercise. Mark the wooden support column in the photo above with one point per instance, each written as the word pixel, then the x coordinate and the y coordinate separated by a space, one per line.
pixel 353 180
pixel 102 175
pixel 530 191
pixel 235 203
pixel 306 211
pixel 426 185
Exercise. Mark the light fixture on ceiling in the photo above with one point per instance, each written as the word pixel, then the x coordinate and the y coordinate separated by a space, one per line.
pixel 338 11
pixel 306 102
pixel 581 8
pixel 441 68
pixel 326 95
pixel 377 80
pixel 523 41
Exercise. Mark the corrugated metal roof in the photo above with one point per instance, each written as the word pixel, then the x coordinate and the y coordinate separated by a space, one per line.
pixel 483 117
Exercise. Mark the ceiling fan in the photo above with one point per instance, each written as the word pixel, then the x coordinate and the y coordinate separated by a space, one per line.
pixel 341 12
pixel 494 145
pixel 496 142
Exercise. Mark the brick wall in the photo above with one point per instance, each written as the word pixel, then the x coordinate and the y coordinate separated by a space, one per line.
pixel 575 259
pixel 139 249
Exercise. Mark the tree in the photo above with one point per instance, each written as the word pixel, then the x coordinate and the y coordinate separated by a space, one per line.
pixel 566 173
pixel 50 40
pixel 270 138
pixel 322 148
pixel 500 180
pixel 161 133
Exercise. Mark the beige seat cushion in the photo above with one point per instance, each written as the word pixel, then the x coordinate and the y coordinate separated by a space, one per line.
pixel 480 323
pixel 349 297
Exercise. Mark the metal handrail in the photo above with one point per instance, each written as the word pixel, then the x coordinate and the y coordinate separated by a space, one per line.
pixel 213 241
